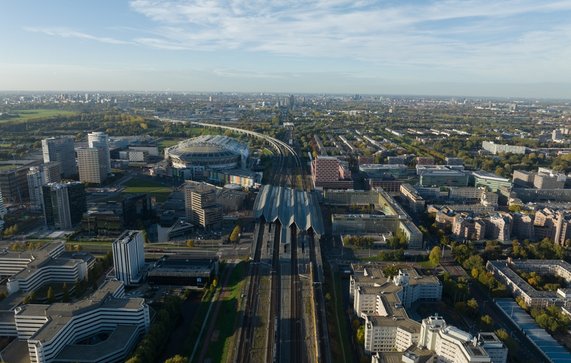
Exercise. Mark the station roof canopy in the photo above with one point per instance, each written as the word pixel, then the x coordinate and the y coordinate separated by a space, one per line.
pixel 289 206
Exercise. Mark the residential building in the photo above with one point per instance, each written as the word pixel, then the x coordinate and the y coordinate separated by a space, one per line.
pixel 200 204
pixel 90 169
pixel 100 141
pixel 129 256
pixel 468 228
pixel 328 172
pixel 382 302
pixel 505 148
pixel 450 344
pixel 415 201
pixel 523 226
pixel 553 224
pixel 499 226
pixel 64 204
pixel 505 272
pixel 61 149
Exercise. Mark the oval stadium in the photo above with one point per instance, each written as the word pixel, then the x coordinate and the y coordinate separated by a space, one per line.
pixel 194 155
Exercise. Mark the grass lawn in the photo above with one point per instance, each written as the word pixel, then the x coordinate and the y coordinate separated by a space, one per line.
pixel 220 350
pixel 427 264
pixel 153 188
pixel 342 350
pixel 36 115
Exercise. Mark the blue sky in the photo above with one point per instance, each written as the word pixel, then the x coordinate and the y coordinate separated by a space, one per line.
pixel 518 48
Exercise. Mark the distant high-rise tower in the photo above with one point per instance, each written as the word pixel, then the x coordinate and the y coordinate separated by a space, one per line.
pixel 64 204
pixel 100 141
pixel 61 149
pixel 89 163
pixel 129 256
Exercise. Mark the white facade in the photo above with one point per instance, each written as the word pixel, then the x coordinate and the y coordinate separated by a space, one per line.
pixel 129 256
pixel 89 166
pixel 48 329
pixel 100 141
pixel 451 344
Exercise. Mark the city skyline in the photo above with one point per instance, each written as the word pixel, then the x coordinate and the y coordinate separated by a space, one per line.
pixel 467 48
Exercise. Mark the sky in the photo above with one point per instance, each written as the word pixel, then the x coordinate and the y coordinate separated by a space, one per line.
pixel 511 48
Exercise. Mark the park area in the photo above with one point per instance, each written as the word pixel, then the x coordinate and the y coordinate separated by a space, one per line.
pixel 21 116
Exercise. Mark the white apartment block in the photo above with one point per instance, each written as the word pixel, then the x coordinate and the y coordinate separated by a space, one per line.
pixel 129 256
pixel 381 301
pixel 52 331
pixel 12 262
pixel 451 344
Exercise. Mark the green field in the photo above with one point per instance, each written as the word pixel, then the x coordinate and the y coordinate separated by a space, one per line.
pixel 152 188
pixel 35 115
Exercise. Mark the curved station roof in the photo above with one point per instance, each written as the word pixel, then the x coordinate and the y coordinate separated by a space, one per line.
pixel 289 206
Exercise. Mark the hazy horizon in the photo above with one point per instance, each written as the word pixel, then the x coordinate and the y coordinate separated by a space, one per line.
pixel 511 49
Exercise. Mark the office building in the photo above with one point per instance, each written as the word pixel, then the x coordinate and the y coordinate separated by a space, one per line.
pixel 52 333
pixel 129 256
pixel 397 171
pixel 439 175
pixel 497 148
pixel 200 204
pixel 89 163
pixel 185 270
pixel 14 184
pixel 328 172
pixel 3 210
pixel 35 182
pixel 495 348
pixel 64 204
pixel 100 141
pixel 491 181
pixel 61 149
pixel 37 177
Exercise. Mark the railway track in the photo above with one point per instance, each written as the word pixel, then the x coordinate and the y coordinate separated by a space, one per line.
pixel 247 330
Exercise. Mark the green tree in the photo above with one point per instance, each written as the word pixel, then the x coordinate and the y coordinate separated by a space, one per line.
pixel 235 235
pixel 361 335
pixel 177 359
pixel 502 334
pixel 487 321
pixel 434 255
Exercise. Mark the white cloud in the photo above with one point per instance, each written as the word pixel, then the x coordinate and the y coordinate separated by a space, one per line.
pixel 70 33
pixel 472 35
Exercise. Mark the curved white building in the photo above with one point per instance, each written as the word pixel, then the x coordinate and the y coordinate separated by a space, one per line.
pixel 53 332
